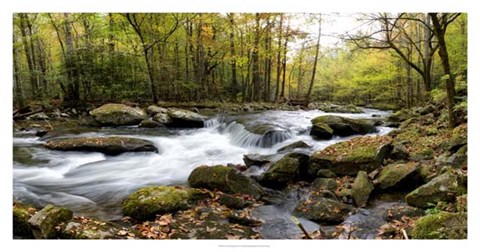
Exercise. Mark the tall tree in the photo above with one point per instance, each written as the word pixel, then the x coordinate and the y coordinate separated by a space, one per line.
pixel 279 53
pixel 255 59
pixel 315 61
pixel 440 23
pixel 138 22
pixel 392 29
pixel 73 86
pixel 233 62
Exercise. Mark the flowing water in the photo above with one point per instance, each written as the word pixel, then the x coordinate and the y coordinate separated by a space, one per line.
pixel 94 184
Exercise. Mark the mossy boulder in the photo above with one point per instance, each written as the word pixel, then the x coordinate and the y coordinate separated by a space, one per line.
pixel 324 183
pixel 152 110
pixel 361 189
pixel 43 223
pixel 400 115
pixel 162 118
pixel 343 126
pixel 457 140
pixel 147 202
pixel 107 145
pixel 148 123
pixel 113 114
pixel 443 225
pixel 401 177
pixel 281 173
pixel 21 215
pixel 325 173
pixel 321 131
pixel 399 152
pixel 347 158
pixel 322 210
pixel 224 179
pixel 445 187
pixel 334 108
pixel 181 118
pixel 256 159
pixel 93 229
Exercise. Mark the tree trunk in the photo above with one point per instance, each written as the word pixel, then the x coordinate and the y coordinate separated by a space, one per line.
pixel 233 64
pixel 427 79
pixel 442 51
pixel 28 54
pixel 317 49
pixel 268 63
pixel 279 53
pixel 73 92
pixel 256 71
pixel 300 72
pixel 17 84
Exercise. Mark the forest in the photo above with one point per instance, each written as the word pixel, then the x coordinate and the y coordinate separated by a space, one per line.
pixel 115 113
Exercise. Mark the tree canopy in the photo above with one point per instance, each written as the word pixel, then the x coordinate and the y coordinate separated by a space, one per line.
pixel 394 59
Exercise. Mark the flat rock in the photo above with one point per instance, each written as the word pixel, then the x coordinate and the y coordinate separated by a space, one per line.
pixel 347 158
pixel 107 145
pixel 113 114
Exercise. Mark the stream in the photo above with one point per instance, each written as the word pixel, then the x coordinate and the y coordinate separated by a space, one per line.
pixel 94 184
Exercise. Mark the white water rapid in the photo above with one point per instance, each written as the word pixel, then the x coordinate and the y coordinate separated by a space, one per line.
pixel 95 184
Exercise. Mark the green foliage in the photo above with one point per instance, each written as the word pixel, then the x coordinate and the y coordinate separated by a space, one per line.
pixel 191 58
pixel 432 209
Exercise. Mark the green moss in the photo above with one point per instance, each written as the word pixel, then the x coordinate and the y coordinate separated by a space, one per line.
pixel 45 221
pixel 442 188
pixel 147 202
pixel 442 225
pixel 20 222
pixel 225 179
pixel 361 189
pixel 430 131
pixel 392 174
pixel 360 149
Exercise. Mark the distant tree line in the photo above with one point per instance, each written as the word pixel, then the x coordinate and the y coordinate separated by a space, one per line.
pixel 76 57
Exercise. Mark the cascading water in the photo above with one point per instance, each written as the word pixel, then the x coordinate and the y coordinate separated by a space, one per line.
pixel 241 136
pixel 95 184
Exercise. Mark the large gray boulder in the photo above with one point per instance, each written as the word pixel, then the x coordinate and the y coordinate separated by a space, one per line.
pixel 147 202
pixel 401 177
pixel 162 118
pixel 321 131
pixel 107 145
pixel 347 158
pixel 224 179
pixel 21 215
pixel 153 110
pixel 113 114
pixel 45 221
pixel 181 118
pixel 445 187
pixel 343 126
pixel 361 189
pixel 284 171
pixel 322 210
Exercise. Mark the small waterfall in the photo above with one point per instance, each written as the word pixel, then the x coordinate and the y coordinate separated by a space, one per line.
pixel 212 123
pixel 241 136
